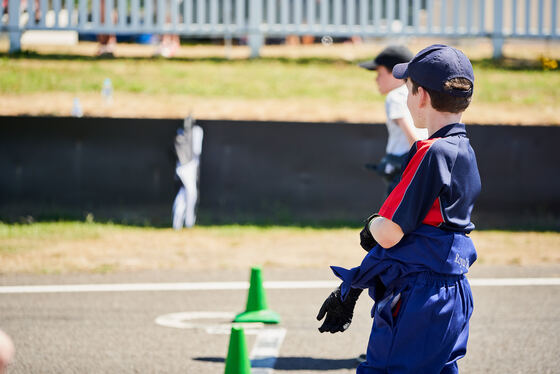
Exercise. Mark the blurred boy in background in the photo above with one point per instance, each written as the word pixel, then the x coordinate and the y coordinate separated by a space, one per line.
pixel 400 127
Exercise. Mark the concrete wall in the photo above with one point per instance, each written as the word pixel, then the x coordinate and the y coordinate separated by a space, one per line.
pixel 310 173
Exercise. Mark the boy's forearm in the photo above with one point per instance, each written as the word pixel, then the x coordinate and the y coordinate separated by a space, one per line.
pixel 408 130
pixel 386 232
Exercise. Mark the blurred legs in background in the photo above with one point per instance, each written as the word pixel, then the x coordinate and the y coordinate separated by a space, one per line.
pixel 107 42
pixel 106 46
pixel 292 40
pixel 168 45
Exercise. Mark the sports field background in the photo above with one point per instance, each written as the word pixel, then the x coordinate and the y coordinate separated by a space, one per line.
pixel 289 83
pixel 293 83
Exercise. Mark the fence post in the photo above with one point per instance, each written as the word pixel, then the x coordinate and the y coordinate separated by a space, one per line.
pixel 13 25
pixel 255 37
pixel 498 31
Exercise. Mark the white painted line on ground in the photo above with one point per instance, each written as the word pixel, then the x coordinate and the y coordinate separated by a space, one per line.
pixel 123 287
pixel 224 286
pixel 514 282
pixel 266 350
pixel 194 286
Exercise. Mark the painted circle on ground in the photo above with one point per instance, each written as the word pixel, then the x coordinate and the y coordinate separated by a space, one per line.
pixel 191 320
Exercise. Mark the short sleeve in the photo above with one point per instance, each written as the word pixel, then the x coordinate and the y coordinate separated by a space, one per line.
pixel 422 181
pixel 396 106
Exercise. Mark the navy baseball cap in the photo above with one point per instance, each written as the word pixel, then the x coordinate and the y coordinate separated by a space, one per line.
pixel 435 65
pixel 389 57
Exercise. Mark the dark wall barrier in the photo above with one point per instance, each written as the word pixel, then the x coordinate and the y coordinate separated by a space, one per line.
pixel 66 167
pixel 310 173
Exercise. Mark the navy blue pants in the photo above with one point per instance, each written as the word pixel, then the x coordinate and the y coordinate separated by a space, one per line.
pixel 425 332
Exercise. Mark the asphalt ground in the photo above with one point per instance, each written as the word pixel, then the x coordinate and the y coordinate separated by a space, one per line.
pixel 514 329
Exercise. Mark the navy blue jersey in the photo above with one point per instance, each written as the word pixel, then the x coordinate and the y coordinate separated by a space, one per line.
pixel 432 204
pixel 439 184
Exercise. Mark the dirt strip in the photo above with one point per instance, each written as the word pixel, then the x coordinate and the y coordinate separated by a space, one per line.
pixel 202 248
pixel 129 105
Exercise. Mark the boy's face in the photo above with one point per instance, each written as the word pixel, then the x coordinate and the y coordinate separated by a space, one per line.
pixel 385 80
pixel 413 103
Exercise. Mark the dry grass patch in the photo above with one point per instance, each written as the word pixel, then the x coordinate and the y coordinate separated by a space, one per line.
pixel 130 105
pixel 517 248
pixel 126 248
pixel 80 247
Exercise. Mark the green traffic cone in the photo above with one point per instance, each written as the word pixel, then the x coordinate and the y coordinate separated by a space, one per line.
pixel 237 360
pixel 257 310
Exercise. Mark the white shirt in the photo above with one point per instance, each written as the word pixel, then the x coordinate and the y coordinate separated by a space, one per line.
pixel 395 107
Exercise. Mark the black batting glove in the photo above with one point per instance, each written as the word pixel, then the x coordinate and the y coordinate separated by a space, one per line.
pixel 338 313
pixel 366 239
pixel 373 167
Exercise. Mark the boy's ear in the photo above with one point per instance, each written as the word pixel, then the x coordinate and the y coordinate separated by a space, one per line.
pixel 424 97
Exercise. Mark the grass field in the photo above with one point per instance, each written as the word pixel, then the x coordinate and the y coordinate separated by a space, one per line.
pixel 279 78
pixel 278 87
pixel 62 247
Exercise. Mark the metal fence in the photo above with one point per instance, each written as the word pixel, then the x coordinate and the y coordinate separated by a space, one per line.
pixel 257 19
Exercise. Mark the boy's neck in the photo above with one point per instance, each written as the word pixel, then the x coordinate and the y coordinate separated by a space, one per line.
pixel 436 120
pixel 398 83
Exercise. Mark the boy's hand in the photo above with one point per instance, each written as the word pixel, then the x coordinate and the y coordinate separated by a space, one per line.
pixel 339 313
pixel 366 239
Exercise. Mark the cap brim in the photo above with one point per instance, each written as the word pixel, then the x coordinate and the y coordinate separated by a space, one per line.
pixel 400 71
pixel 368 65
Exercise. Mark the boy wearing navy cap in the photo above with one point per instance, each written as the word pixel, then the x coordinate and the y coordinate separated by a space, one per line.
pixel 400 127
pixel 418 248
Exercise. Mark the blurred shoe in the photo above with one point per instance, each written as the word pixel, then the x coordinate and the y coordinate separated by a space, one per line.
pixel 105 51
pixel 166 51
pixel 371 167
pixel 361 358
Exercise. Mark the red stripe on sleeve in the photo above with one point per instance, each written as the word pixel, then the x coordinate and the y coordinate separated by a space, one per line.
pixel 434 216
pixel 393 201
